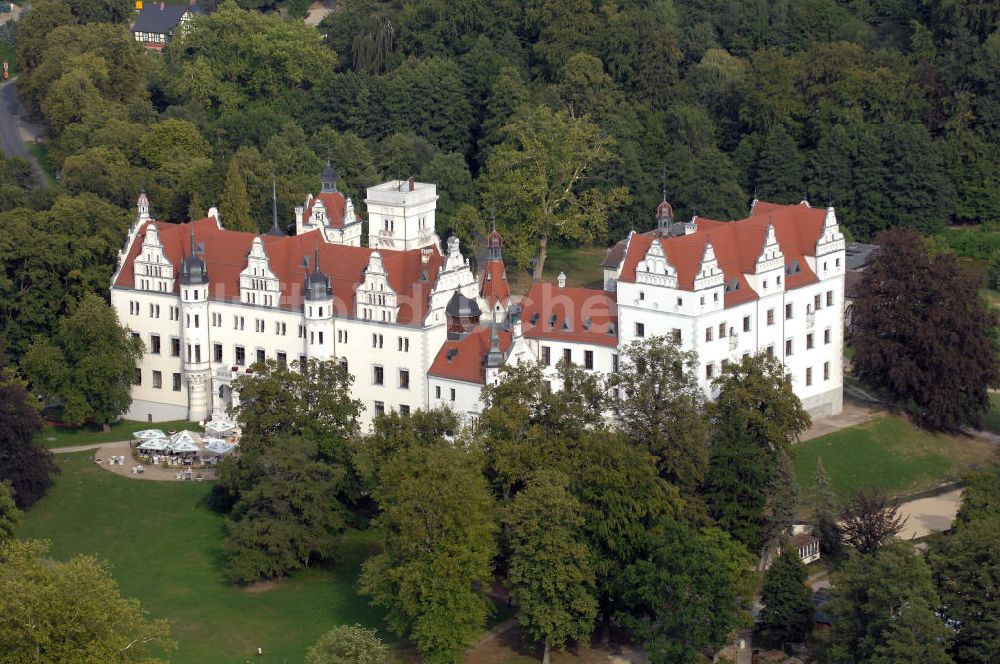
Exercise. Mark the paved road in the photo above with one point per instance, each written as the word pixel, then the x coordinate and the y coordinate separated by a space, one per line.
pixel 12 130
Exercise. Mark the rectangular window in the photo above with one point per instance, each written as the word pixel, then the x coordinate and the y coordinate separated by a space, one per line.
pixel 746 323
pixel 197 321
pixel 588 359
pixel 568 355
pixel 614 362
pixel 236 322
pixel 189 353
pixel 197 353
pixel 453 394
pixel 302 331
pixel 282 359
pixel 241 356
pixel 217 352
pixel 676 334
pixel 378 375
pixel 404 379
pixel 809 341
pixel 137 379
pixel 829 298
pixel 546 356
pixel 261 357
pixel 817 302
pixel 379 408
pixel 640 330
pixel 177 382
pixel 809 376
pixel 154 344
pixel 826 371
pixel 175 347
pixel 770 316
pixel 320 333
pixel 826 336
pixel 437 391
pixel 710 371
pixel 722 330
pixel 135 335
pixel 399 344
pixel 303 363
pixel 788 347
pixel 788 311
pixel 770 350
pixel 708 333
pixel 157 380
pixel 404 410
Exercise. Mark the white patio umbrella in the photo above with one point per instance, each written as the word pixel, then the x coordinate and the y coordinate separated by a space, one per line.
pixel 148 434
pixel 182 446
pixel 219 447
pixel 186 436
pixel 154 445
pixel 220 428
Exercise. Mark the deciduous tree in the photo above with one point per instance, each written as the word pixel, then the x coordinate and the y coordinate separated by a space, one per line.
pixel 826 512
pixel 10 516
pixel 439 522
pixel 687 593
pixel 551 571
pixel 922 334
pixel 235 204
pixel 869 520
pixel 660 408
pixel 89 366
pixel 754 420
pixel 24 463
pixel 348 644
pixel 70 611
pixel 538 181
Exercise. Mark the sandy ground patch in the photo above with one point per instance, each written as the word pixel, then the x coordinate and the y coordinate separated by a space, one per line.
pixel 260 587
pixel 151 472
pixel 318 11
pixel 852 415
pixel 930 515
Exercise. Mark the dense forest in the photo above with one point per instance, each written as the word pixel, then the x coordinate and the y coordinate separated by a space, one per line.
pixel 890 110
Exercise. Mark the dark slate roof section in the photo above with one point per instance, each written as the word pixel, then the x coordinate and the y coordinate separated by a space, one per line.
pixel 159 18
pixel 460 306
pixel 615 255
pixel 859 255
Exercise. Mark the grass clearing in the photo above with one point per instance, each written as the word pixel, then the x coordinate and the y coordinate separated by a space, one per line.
pixel 164 546
pixel 582 266
pixel 891 453
pixel 55 435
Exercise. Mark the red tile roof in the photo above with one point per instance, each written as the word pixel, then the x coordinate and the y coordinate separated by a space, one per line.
pixel 334 203
pixel 226 252
pixel 463 359
pixel 737 244
pixel 495 287
pixel 581 315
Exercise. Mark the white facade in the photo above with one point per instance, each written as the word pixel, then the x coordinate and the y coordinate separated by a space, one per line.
pixel 773 282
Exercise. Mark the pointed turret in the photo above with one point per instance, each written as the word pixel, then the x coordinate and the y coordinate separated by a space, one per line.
pixel 495 290
pixel 317 284
pixel 193 269
pixel 275 229
pixel 495 357
pixel 328 179
pixel 142 207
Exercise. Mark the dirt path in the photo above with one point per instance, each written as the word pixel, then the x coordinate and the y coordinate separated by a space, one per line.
pixel 852 415
pixel 930 515
pixel 84 448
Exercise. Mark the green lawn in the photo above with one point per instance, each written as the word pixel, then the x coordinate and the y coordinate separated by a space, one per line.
pixel 164 546
pixel 57 436
pixel 891 453
pixel 582 266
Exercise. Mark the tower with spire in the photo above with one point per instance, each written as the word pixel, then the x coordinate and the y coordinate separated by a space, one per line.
pixel 494 291
pixel 195 349
pixel 329 212
pixel 317 296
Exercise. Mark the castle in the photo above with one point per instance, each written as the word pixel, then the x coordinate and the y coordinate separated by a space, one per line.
pixel 417 328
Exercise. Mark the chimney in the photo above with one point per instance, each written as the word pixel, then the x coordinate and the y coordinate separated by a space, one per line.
pixel 561 280
pixel 411 183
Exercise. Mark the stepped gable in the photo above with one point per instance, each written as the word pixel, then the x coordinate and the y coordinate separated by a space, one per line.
pixel 465 359
pixel 737 245
pixel 580 315
pixel 334 203
pixel 226 252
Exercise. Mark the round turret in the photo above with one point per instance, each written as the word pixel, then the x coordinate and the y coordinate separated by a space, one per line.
pixel 328 178
pixel 463 315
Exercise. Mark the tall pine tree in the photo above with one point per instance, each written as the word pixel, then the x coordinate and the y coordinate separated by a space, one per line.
pixel 235 204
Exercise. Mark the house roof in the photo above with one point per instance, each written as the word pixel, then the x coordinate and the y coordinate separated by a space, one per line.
pixel 737 245
pixel 495 287
pixel 226 252
pixel 159 17
pixel 578 315
pixel 333 202
pixel 464 359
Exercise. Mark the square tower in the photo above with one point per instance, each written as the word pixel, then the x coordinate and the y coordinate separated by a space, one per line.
pixel 401 215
